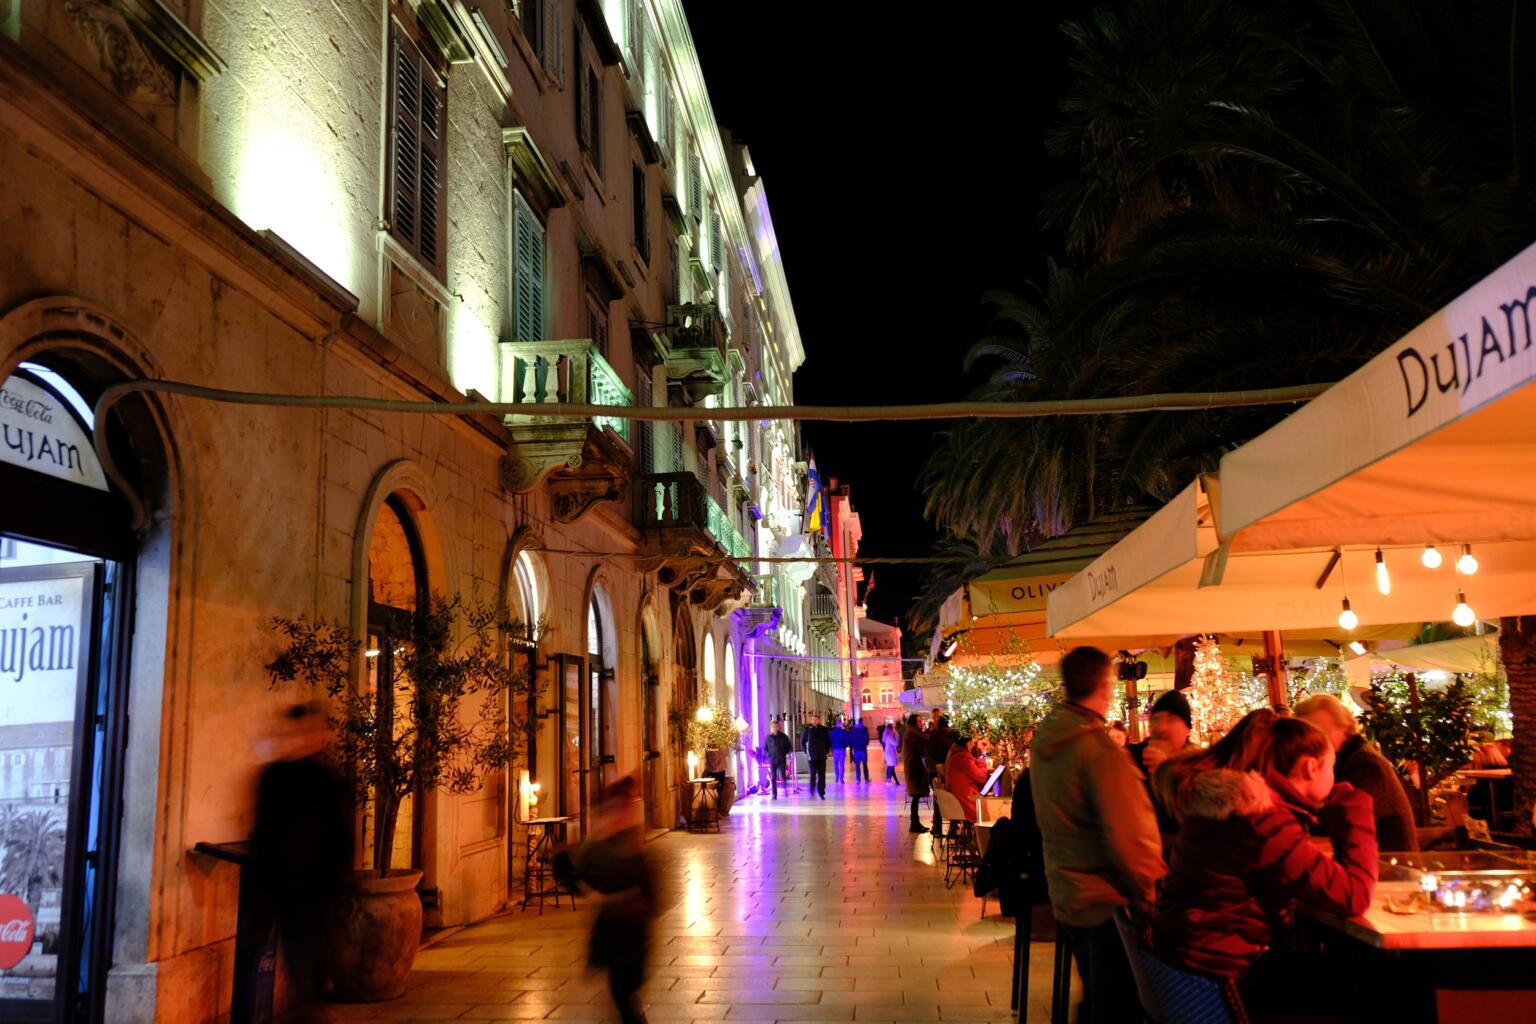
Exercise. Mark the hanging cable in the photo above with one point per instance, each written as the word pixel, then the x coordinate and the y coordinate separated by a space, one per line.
pixel 1169 402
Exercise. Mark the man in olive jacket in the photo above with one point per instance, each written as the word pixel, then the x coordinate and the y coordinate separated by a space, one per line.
pixel 1102 848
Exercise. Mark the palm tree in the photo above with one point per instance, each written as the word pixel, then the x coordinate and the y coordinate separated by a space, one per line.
pixel 34 854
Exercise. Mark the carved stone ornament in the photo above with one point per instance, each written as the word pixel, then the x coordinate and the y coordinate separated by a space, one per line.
pixel 134 68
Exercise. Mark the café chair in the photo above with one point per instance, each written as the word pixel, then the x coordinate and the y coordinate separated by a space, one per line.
pixel 961 858
pixel 1174 995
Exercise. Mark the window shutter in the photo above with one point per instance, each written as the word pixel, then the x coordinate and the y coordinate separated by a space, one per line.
pixel 595 117
pixel 645 429
pixel 696 193
pixel 528 273
pixel 553 54
pixel 583 111
pixel 714 239
pixel 417 186
pixel 597 326
pixel 677 448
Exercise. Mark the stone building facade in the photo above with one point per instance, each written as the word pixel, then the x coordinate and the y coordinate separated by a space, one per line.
pixel 380 201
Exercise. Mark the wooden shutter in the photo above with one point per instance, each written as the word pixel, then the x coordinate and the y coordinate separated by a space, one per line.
pixel 553 51
pixel 595 116
pixel 597 325
pixel 583 112
pixel 528 271
pixel 637 194
pixel 714 239
pixel 677 447
pixel 645 434
pixel 696 195
pixel 417 189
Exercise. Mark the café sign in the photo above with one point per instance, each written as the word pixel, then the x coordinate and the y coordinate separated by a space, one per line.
pixel 39 434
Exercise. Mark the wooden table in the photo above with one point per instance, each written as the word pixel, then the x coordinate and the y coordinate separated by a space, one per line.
pixel 538 880
pixel 1382 929
pixel 1441 968
pixel 706 798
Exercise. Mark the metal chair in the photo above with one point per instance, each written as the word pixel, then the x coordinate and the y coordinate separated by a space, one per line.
pixel 963 858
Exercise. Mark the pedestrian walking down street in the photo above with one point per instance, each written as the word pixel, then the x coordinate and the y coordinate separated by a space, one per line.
pixel 912 765
pixel 858 748
pixel 816 741
pixel 612 862
pixel 778 750
pixel 940 738
pixel 301 852
pixel 1102 848
pixel 890 744
pixel 839 737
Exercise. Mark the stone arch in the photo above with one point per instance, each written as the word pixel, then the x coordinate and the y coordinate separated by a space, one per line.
pixel 521 556
pixel 94 345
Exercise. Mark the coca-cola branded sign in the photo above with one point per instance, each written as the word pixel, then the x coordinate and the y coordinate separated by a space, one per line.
pixel 16 930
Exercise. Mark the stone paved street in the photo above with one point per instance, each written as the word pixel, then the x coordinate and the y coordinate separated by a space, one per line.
pixel 798 911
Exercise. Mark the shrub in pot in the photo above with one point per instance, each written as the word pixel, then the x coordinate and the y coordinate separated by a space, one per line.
pixel 714 727
pixel 396 741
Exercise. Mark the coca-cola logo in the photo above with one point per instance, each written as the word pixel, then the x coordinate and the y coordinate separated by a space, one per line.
pixel 16 929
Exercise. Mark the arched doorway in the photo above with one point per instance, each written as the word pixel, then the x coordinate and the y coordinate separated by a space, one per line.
pixel 68 560
pixel 650 714
pixel 709 668
pixel 685 698
pixel 397 592
pixel 599 738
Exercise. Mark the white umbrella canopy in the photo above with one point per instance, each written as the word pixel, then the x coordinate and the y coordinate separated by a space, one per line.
pixel 1391 457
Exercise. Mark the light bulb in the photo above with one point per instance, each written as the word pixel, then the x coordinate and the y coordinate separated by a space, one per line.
pixel 1383 579
pixel 1463 615
pixel 1347 618
pixel 1431 557
pixel 1357 647
pixel 705 713
pixel 1466 564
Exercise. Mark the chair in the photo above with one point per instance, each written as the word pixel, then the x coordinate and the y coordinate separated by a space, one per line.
pixel 962 859
pixel 1174 995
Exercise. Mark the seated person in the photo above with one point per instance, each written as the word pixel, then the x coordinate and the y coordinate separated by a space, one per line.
pixel 1243 854
pixel 1362 766
pixel 964 772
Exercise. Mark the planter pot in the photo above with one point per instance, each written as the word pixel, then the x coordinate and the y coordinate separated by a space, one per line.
pixel 376 937
pixel 728 796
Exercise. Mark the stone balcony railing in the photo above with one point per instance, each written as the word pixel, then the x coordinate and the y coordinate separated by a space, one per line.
pixel 670 501
pixel 535 373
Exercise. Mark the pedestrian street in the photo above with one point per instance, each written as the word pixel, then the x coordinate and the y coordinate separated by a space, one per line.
pixel 799 910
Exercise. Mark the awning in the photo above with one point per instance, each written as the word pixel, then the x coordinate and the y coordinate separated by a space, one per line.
pixel 1464 654
pixel 1432 441
pixel 1389 458
pixel 1006 608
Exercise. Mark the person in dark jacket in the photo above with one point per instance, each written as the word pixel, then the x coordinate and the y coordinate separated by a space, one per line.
pixel 1243 854
pixel 301 849
pixel 940 739
pixel 1172 723
pixel 612 861
pixel 1360 765
pixel 839 737
pixel 912 754
pixel 858 750
pixel 777 747
pixel 816 741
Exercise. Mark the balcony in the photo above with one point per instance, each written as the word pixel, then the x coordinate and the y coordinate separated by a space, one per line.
pixel 686 534
pixel 824 617
pixel 590 459
pixel 697 360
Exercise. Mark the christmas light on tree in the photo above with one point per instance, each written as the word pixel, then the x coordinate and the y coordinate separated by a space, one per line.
pixel 1214 700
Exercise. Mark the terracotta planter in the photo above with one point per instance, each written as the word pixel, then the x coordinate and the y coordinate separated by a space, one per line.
pixel 376 937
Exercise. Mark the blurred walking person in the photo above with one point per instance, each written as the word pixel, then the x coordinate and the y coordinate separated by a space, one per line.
pixel 913 753
pixel 612 861
pixel 301 849
pixel 839 737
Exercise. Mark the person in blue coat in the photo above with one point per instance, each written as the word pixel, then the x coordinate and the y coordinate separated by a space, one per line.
pixel 858 747
pixel 839 749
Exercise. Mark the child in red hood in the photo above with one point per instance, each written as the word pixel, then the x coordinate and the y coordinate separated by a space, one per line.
pixel 1243 855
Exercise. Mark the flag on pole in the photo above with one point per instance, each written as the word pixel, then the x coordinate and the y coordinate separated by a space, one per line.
pixel 813 522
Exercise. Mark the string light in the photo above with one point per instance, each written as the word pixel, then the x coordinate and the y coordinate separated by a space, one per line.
pixel 1462 615
pixel 1466 564
pixel 1347 618
pixel 1431 557
pixel 705 714
pixel 1214 700
pixel 1383 578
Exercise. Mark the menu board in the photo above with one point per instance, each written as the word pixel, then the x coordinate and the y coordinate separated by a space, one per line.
pixel 43 659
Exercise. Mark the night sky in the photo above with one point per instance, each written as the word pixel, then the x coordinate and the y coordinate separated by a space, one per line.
pixel 903 158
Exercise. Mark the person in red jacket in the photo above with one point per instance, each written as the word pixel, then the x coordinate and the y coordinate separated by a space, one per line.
pixel 964 772
pixel 1243 855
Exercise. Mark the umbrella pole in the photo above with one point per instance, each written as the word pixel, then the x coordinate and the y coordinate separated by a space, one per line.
pixel 1274 655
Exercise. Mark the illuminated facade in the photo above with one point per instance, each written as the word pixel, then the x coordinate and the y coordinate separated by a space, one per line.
pixel 394 199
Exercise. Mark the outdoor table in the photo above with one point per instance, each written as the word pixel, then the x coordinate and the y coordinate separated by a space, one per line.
pixel 538 881
pixel 1449 968
pixel 704 808
pixel 255 967
pixel 1489 776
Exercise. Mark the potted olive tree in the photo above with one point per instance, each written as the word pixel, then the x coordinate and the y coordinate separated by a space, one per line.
pixel 422 732
pixel 714 728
